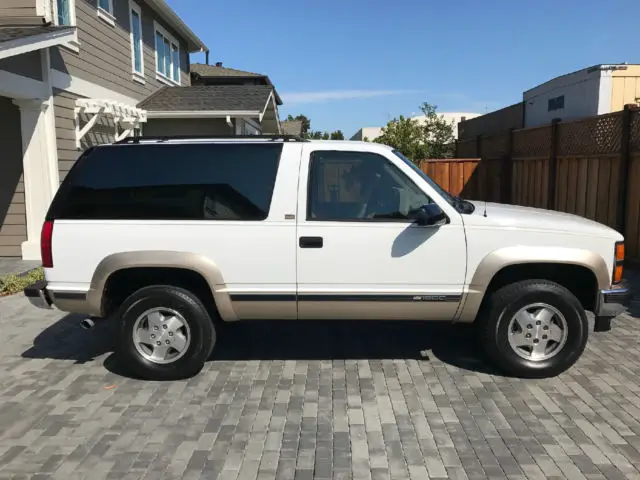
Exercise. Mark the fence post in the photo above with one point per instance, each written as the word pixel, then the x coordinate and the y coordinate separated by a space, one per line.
pixel 506 185
pixel 478 146
pixel 553 165
pixel 625 163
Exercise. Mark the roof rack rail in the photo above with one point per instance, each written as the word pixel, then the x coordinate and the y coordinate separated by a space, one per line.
pixel 165 138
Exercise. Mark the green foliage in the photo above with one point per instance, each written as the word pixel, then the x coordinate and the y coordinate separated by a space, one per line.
pixel 337 135
pixel 418 140
pixel 14 283
pixel 318 135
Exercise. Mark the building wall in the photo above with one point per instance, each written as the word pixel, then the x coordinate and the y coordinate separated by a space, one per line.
pixel 581 91
pixel 18 9
pixel 27 65
pixel 493 122
pixel 13 225
pixel 371 133
pixel 188 126
pixel 625 87
pixel 105 56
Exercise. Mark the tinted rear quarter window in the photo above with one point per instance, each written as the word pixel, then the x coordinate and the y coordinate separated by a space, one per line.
pixel 171 182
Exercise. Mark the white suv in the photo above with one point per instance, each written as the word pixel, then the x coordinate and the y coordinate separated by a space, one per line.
pixel 168 236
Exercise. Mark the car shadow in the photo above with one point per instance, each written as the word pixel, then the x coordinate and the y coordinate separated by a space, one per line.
pixel 285 340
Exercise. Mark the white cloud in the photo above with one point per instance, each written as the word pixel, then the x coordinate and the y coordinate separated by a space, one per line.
pixel 329 95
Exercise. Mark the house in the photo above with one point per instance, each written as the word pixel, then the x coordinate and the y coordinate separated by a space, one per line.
pixel 588 92
pixel 292 127
pixel 220 101
pixel 372 133
pixel 596 90
pixel 71 75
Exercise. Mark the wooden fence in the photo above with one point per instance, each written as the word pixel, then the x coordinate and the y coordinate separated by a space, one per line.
pixel 589 167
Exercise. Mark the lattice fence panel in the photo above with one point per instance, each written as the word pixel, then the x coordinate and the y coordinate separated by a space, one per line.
pixel 467 148
pixel 592 136
pixel 495 146
pixel 532 142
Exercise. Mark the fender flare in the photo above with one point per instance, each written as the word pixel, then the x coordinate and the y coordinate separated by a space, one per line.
pixel 496 260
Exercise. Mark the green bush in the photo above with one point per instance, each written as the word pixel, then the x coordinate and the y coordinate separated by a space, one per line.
pixel 15 283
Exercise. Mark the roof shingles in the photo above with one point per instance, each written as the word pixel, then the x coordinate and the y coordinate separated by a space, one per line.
pixel 209 98
pixel 15 32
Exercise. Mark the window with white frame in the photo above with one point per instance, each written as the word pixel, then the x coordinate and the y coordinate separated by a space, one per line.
pixel 167 56
pixel 137 52
pixel 105 11
pixel 65 12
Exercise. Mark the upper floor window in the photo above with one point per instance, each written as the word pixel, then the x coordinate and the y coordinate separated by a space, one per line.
pixel 65 12
pixel 105 11
pixel 556 103
pixel 137 55
pixel 167 56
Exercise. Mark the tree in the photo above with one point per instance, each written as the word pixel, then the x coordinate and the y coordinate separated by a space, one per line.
pixel 428 137
pixel 337 135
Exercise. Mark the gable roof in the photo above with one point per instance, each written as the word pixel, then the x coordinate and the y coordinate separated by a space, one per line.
pixel 214 71
pixel 209 98
pixel 291 127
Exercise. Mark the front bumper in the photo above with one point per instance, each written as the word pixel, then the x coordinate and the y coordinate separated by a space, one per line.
pixel 611 303
pixel 38 295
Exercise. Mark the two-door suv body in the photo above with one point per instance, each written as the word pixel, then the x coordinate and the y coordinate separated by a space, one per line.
pixel 168 236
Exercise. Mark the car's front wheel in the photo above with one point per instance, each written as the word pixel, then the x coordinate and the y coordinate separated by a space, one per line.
pixel 534 328
pixel 165 333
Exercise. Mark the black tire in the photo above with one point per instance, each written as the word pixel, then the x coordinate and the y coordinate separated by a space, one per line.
pixel 506 302
pixel 189 306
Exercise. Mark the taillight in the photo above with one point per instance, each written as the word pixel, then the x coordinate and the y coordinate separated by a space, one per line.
pixel 618 262
pixel 46 238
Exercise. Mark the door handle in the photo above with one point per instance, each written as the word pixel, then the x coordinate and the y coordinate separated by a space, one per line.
pixel 311 242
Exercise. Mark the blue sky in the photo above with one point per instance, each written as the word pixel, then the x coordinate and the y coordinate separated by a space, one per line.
pixel 360 63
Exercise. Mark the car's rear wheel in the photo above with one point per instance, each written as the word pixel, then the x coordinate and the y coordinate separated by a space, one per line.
pixel 166 333
pixel 534 328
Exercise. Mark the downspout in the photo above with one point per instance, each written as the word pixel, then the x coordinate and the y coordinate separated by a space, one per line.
pixel 229 122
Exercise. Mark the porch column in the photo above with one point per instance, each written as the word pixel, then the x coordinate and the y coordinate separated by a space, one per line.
pixel 40 168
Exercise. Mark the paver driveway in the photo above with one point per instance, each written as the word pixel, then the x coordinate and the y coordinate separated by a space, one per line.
pixel 311 400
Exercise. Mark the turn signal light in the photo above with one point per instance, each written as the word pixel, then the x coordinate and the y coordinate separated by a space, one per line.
pixel 617 274
pixel 619 252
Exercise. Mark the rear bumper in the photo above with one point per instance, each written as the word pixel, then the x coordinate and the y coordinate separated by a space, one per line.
pixel 38 295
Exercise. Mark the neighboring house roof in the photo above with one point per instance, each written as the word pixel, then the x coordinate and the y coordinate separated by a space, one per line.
pixel 291 127
pixel 162 8
pixel 204 71
pixel 217 71
pixel 209 98
pixel 18 39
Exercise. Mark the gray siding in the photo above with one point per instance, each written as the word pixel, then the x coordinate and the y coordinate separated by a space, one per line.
pixel 27 65
pixel 18 8
pixel 102 132
pixel 13 229
pixel 105 51
pixel 187 126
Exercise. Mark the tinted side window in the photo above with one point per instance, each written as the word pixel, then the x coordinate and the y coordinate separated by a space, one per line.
pixel 171 182
pixel 359 186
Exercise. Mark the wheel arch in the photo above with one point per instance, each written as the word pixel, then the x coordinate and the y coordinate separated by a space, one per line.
pixel 203 266
pixel 528 257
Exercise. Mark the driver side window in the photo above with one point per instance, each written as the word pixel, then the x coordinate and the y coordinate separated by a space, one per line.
pixel 359 186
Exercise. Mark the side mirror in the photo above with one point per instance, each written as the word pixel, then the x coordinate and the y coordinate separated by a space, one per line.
pixel 429 215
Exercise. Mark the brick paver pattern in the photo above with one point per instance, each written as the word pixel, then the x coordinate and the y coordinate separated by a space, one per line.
pixel 291 400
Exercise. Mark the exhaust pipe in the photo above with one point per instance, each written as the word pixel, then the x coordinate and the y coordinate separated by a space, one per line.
pixel 87 323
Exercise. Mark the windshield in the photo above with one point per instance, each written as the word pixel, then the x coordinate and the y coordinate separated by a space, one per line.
pixel 443 193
